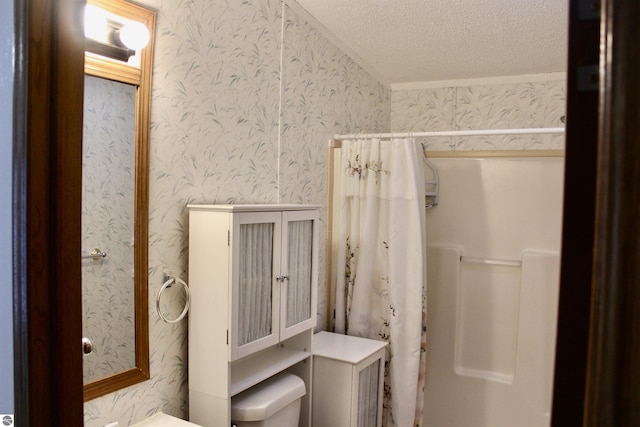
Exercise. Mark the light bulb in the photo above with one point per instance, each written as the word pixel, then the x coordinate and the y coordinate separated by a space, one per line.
pixel 134 35
pixel 95 22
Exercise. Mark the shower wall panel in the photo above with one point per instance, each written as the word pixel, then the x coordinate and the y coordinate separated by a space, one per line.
pixel 491 327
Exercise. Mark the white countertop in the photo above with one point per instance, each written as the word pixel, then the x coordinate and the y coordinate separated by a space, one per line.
pixel 163 420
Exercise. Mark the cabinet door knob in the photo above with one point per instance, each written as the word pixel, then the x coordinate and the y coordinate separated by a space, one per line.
pixel 282 278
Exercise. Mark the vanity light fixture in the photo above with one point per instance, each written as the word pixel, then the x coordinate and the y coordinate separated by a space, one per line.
pixel 116 39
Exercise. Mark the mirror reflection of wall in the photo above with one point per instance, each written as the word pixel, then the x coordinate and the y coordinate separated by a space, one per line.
pixel 115 212
pixel 108 177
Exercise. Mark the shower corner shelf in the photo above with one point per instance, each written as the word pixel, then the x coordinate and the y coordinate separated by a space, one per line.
pixel 432 187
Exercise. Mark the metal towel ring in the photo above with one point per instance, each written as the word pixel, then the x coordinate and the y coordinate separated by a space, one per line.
pixel 166 285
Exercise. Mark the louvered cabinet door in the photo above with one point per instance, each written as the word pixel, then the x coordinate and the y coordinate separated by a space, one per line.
pixel 298 272
pixel 255 244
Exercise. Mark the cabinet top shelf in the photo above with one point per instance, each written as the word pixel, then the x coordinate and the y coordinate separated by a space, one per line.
pixel 251 207
pixel 345 348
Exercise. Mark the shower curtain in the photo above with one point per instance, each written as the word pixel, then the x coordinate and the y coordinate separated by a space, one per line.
pixel 381 263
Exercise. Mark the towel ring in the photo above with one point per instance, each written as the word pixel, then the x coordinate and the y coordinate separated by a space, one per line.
pixel 166 285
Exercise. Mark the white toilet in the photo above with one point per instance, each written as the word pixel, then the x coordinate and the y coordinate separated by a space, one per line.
pixel 274 402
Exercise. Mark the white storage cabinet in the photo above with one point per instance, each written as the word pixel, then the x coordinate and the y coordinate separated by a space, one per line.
pixel 253 279
pixel 348 381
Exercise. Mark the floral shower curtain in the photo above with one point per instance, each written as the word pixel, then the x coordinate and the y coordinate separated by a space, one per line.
pixel 381 264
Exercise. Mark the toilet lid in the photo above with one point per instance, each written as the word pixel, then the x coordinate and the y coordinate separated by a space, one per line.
pixel 265 399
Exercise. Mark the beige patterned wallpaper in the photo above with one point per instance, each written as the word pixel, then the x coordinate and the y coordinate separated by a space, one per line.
pixel 483 106
pixel 245 96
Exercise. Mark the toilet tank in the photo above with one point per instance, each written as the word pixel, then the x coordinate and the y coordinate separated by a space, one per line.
pixel 273 402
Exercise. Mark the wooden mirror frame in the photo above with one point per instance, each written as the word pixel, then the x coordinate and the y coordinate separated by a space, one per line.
pixel 100 66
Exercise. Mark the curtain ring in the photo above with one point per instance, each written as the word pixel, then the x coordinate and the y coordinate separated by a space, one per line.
pixel 187 304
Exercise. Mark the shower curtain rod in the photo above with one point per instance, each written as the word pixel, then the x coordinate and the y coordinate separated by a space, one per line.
pixel 523 131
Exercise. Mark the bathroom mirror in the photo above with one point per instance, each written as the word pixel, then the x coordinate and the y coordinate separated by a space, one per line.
pixel 115 208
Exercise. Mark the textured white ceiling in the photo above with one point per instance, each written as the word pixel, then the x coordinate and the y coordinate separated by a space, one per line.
pixel 402 41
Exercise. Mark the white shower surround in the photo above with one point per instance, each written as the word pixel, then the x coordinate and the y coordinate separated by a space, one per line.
pixel 234 121
pixel 492 326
